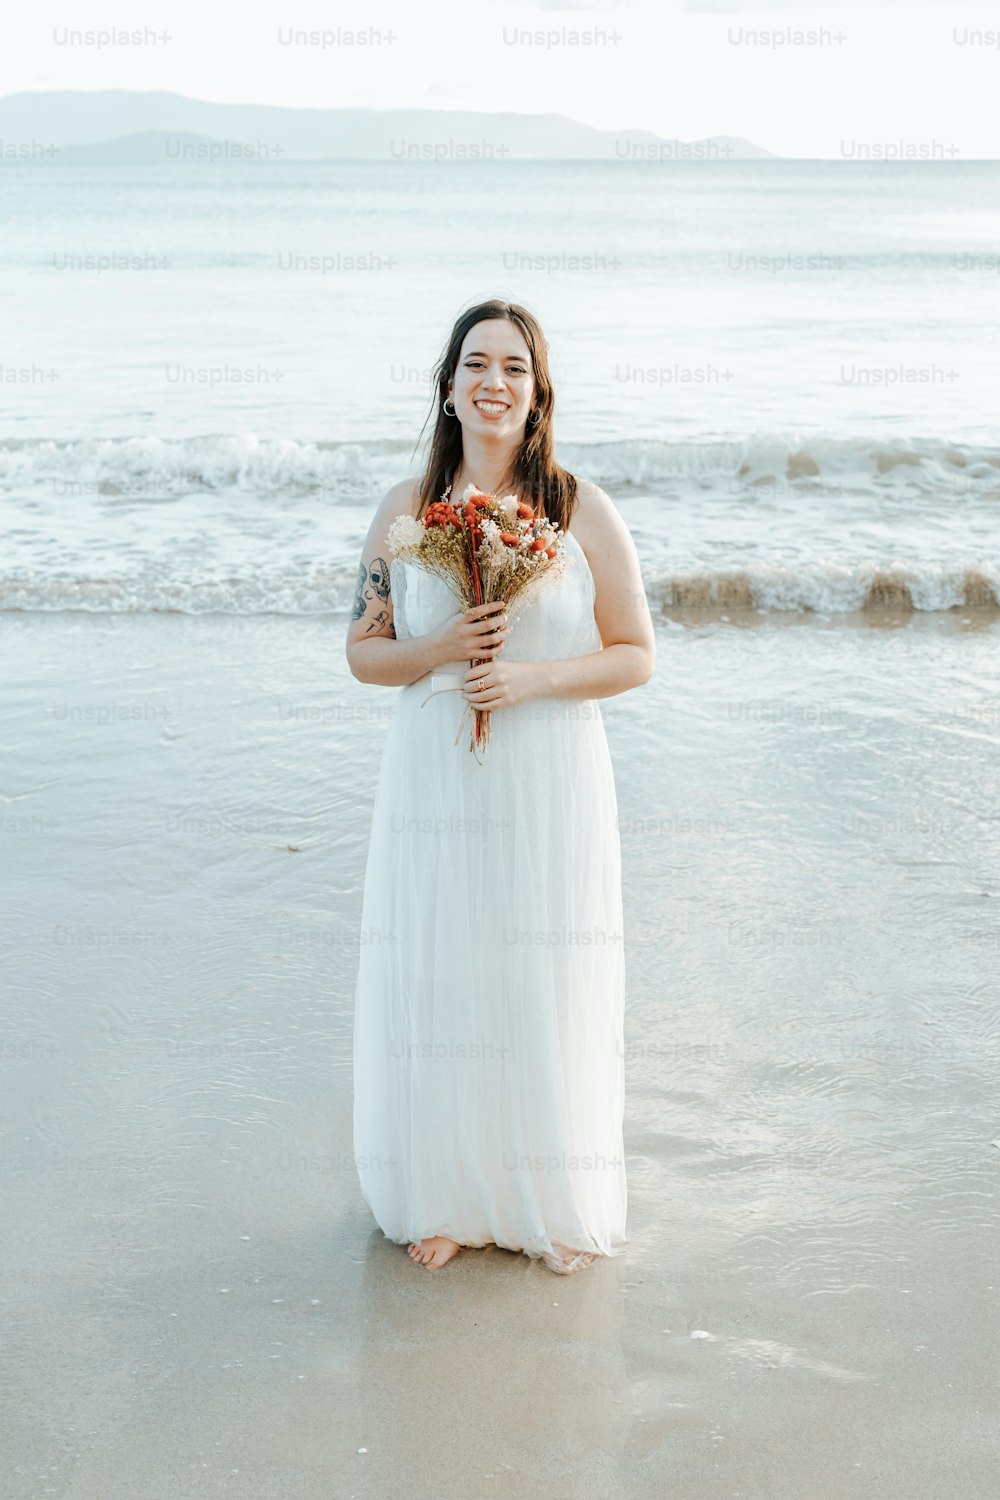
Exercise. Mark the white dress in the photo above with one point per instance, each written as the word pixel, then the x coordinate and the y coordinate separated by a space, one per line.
pixel 489 1008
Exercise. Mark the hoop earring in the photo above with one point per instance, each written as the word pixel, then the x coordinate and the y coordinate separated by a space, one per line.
pixel 534 417
pixel 444 407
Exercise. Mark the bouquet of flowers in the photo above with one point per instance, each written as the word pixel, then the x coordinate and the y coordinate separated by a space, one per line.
pixel 488 551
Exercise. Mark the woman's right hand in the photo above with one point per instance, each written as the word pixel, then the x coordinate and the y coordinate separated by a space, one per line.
pixel 475 634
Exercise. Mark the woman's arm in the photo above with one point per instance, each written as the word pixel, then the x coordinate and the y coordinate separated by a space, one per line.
pixel 617 668
pixel 620 609
pixel 373 652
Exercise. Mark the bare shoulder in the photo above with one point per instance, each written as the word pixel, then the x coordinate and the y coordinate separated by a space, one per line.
pixel 400 500
pixel 596 522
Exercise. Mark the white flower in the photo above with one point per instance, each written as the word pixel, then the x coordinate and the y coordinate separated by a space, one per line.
pixel 404 533
pixel 492 551
pixel 508 505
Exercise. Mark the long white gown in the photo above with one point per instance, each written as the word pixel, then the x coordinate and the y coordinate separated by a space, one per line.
pixel 489 1008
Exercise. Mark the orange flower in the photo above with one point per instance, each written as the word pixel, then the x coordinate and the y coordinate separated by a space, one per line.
pixel 525 512
pixel 509 538
pixel 441 514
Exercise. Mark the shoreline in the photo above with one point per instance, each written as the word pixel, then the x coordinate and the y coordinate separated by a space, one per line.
pixel 739 613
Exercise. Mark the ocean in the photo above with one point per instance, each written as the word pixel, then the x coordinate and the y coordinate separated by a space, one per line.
pixel 779 370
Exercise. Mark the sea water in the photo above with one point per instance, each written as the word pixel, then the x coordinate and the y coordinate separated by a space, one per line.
pixel 780 370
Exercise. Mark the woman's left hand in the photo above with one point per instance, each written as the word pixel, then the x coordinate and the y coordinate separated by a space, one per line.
pixel 505 683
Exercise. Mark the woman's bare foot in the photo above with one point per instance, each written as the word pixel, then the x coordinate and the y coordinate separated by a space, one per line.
pixel 564 1262
pixel 434 1252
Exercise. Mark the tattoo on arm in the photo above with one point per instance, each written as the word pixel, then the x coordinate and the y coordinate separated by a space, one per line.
pixel 360 602
pixel 373 583
pixel 380 621
pixel 380 577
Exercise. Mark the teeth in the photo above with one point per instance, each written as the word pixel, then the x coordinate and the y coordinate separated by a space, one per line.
pixel 491 406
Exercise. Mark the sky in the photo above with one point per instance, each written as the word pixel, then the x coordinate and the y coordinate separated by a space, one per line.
pixel 889 76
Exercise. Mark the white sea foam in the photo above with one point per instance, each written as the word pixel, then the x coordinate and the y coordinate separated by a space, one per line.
pixel 248 525
pixel 356 472
pixel 823 589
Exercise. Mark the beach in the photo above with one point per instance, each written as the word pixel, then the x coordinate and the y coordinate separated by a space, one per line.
pixel 780 373
pixel 197 1298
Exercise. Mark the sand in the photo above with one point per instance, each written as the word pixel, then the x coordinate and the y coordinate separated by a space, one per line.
pixel 197 1301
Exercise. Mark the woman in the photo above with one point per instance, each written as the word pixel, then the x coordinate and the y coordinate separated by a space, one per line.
pixel 488 1051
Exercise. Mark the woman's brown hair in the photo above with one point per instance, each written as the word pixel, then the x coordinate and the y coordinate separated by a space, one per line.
pixel 535 475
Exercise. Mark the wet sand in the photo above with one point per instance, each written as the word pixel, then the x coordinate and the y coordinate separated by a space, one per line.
pixel 197 1301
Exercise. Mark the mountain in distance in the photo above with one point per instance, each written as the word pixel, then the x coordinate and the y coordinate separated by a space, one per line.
pixel 145 146
pixel 115 125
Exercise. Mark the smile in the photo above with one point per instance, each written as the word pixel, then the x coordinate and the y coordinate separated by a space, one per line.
pixel 491 408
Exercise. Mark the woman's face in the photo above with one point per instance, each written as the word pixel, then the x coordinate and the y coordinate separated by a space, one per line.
pixel 493 385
